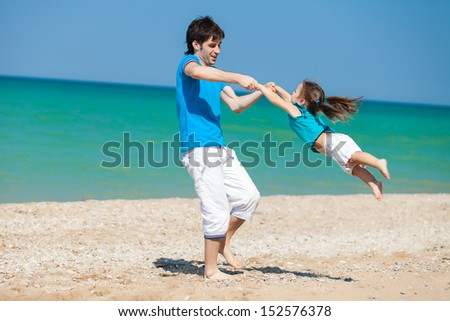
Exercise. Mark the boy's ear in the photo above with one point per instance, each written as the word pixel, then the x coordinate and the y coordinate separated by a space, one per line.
pixel 196 45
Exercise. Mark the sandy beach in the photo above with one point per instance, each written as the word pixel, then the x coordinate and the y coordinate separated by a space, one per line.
pixel 347 247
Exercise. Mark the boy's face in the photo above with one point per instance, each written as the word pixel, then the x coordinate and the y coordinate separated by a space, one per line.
pixel 208 51
pixel 297 95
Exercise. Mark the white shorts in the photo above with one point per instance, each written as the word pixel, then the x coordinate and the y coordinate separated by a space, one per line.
pixel 341 148
pixel 223 186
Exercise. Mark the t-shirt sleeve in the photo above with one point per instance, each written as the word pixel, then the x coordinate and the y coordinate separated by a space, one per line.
pixel 188 59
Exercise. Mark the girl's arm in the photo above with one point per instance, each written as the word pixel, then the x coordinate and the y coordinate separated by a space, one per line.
pixel 278 101
pixel 283 93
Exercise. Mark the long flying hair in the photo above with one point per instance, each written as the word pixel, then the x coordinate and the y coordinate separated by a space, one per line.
pixel 336 108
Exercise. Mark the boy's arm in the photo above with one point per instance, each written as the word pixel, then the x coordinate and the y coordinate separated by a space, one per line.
pixel 278 101
pixel 238 103
pixel 194 70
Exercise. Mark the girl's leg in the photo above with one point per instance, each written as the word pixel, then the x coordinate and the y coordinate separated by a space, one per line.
pixel 369 179
pixel 368 159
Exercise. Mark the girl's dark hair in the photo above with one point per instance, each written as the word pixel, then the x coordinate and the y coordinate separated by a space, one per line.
pixel 201 30
pixel 334 107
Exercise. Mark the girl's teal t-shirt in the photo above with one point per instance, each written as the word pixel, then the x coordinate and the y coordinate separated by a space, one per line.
pixel 308 126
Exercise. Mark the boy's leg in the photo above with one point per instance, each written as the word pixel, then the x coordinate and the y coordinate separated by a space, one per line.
pixel 212 247
pixel 225 249
pixel 369 179
pixel 243 197
pixel 368 159
pixel 209 186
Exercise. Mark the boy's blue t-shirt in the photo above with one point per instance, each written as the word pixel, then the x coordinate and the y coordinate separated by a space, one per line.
pixel 198 108
pixel 308 126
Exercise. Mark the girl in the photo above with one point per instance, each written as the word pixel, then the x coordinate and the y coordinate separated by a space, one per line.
pixel 303 105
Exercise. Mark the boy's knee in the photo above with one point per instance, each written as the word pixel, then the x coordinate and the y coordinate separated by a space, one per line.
pixel 251 199
pixel 245 208
pixel 255 198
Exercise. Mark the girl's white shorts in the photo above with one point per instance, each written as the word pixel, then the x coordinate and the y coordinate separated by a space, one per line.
pixel 341 148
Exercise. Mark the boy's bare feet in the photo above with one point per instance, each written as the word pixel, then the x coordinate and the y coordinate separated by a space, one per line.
pixel 231 259
pixel 217 275
pixel 382 167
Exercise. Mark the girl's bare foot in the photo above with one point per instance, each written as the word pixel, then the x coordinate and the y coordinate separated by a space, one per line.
pixel 377 189
pixel 382 167
pixel 231 259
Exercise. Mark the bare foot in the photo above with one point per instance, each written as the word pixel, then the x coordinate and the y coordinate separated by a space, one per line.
pixel 231 259
pixel 217 275
pixel 377 189
pixel 382 167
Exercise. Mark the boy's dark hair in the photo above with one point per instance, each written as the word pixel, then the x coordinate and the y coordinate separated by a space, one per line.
pixel 201 30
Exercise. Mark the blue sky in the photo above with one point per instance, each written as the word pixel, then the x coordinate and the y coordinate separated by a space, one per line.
pixel 387 50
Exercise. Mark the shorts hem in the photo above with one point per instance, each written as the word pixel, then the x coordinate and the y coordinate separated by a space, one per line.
pixel 212 237
pixel 244 216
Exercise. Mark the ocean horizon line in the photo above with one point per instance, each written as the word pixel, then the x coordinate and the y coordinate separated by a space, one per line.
pixel 165 87
pixel 182 197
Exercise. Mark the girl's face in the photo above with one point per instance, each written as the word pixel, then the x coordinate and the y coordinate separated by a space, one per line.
pixel 297 95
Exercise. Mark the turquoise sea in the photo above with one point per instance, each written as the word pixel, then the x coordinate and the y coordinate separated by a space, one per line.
pixel 68 141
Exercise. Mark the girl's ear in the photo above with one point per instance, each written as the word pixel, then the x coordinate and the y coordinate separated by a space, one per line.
pixel 302 101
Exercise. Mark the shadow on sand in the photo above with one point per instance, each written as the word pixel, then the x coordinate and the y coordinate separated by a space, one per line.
pixel 197 268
